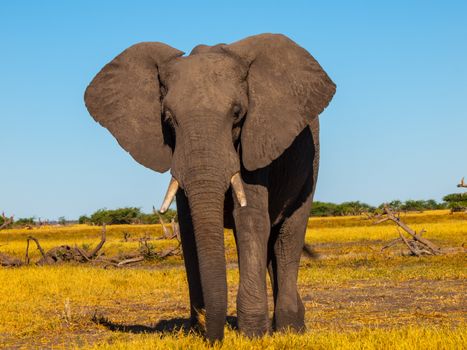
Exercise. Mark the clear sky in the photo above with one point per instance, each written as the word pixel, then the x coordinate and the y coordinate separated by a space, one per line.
pixel 396 128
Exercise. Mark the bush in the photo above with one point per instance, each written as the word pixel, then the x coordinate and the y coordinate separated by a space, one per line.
pixel 117 216
pixel 456 201
pixel 354 208
pixel 358 208
pixel 411 205
pixel 347 208
pixel 25 222
pixel 83 219
pixel 414 205
pixel 154 218
pixel 323 209
pixel 128 215
pixel 4 218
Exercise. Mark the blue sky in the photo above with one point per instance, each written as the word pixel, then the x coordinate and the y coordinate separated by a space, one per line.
pixel 396 129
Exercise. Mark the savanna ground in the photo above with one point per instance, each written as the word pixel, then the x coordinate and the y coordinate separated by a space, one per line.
pixel 356 296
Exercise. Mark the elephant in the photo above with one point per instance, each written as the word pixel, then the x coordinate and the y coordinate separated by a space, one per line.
pixel 237 125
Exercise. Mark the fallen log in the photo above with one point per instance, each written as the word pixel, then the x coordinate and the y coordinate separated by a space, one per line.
pixel 417 245
pixel 66 253
pixel 9 261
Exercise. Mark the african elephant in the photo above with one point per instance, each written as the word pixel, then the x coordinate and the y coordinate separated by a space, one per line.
pixel 237 125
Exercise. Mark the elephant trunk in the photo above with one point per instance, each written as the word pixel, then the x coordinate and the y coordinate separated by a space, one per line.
pixel 204 162
pixel 206 200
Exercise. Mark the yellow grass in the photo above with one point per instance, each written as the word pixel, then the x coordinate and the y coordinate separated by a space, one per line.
pixel 408 339
pixel 356 297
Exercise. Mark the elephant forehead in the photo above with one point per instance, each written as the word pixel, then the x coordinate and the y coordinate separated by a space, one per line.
pixel 208 68
pixel 207 81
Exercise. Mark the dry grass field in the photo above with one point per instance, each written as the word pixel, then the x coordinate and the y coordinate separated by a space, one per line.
pixel 356 296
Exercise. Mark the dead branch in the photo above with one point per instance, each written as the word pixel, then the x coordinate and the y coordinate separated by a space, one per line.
pixel 9 261
pixel 392 243
pixel 417 245
pixel 66 253
pixel 30 238
pixel 175 229
pixel 130 261
pixel 390 215
pixel 101 243
pixel 462 183
pixel 407 243
pixel 169 252
pixel 6 221
pixel 82 253
pixel 381 221
pixel 161 220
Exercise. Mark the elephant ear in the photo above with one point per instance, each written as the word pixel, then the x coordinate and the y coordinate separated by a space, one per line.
pixel 125 97
pixel 287 89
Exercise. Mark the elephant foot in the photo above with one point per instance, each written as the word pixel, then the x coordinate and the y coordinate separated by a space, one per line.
pixel 198 325
pixel 289 321
pixel 198 321
pixel 254 325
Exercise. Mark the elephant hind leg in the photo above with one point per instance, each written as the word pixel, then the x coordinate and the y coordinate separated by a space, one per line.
pixel 272 266
pixel 285 251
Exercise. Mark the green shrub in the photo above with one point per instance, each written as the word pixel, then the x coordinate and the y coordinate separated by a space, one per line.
pixel 83 219
pixel 154 218
pixel 25 222
pixel 128 215
pixel 323 209
pixel 456 201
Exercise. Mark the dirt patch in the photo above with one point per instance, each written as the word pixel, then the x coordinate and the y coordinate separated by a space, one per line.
pixel 386 304
pixel 352 306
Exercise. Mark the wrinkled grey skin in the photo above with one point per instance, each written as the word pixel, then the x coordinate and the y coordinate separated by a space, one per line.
pixel 251 106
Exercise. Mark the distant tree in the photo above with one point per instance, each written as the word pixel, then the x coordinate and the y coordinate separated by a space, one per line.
pixel 25 222
pixel 413 205
pixel 431 204
pixel 358 208
pixel 456 201
pixel 354 208
pixel 62 220
pixel 127 215
pixel 346 208
pixel 154 218
pixel 323 209
pixel 394 205
pixel 83 219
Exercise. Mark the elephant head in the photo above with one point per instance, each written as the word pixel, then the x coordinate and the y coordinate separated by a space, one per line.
pixel 205 116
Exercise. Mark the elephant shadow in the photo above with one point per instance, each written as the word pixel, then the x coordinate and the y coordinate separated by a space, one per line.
pixel 171 325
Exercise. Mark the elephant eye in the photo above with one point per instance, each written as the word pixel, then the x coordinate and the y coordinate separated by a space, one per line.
pixel 169 117
pixel 237 112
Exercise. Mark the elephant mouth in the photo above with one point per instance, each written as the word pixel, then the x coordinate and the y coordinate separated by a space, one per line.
pixel 235 182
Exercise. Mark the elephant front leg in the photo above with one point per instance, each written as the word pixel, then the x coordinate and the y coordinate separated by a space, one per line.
pixel 251 232
pixel 289 312
pixel 190 258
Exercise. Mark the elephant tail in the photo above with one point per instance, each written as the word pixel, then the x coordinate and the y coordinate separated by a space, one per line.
pixel 309 252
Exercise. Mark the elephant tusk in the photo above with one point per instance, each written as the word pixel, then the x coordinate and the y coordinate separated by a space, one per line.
pixel 169 196
pixel 237 186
